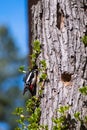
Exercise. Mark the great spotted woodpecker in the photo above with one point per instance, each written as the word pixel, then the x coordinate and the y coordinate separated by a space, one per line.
pixel 30 81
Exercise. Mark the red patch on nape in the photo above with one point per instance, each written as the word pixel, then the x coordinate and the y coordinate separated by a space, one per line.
pixel 31 87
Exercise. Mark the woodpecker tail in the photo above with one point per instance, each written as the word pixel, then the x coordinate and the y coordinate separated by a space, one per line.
pixel 25 89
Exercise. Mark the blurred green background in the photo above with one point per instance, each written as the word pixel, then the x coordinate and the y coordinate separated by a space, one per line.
pixel 13 54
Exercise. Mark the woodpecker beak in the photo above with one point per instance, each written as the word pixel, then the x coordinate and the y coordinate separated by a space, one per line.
pixel 25 89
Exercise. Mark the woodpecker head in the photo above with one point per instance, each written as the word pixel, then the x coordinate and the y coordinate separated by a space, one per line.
pixel 30 81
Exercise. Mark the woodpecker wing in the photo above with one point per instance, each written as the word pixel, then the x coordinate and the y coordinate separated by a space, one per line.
pixel 25 77
pixel 28 77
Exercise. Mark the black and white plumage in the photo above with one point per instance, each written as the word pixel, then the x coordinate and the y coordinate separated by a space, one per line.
pixel 30 81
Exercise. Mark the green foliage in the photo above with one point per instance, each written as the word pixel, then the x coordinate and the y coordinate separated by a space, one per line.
pixel 32 103
pixel 43 77
pixel 18 111
pixel 82 120
pixel 40 92
pixel 21 69
pixel 77 115
pixel 34 119
pixel 35 116
pixel 85 118
pixel 84 40
pixel 43 64
pixel 63 109
pixel 83 90
pixel 33 56
pixel 60 122
pixel 36 47
pixel 36 51
pixel 34 110
pixel 44 127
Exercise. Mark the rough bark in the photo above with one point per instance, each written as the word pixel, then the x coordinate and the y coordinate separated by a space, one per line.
pixel 59 25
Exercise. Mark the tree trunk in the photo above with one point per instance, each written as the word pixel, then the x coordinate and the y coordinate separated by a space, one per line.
pixel 59 25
